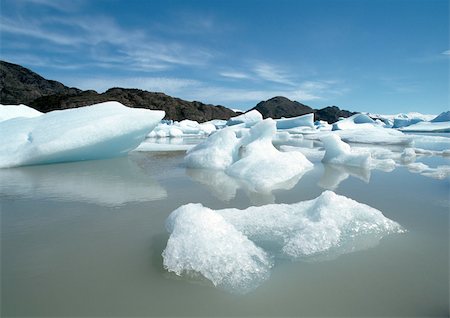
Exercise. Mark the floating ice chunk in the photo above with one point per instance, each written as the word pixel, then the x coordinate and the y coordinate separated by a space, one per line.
pixel 261 165
pixel 218 123
pixel 249 119
pixel 338 152
pixel 375 135
pixel 203 242
pixel 219 151
pixel 404 121
pixel 148 146
pixel 312 154
pixel 444 116
pixel 225 246
pixel 251 158
pixel 300 121
pixel 175 132
pixel 15 111
pixel 356 121
pixel 440 126
pixel 95 132
pixel 435 143
pixel 162 134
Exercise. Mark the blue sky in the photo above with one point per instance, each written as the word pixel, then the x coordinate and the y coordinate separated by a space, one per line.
pixel 383 56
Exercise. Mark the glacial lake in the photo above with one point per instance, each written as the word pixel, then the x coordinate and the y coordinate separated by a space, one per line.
pixel 85 239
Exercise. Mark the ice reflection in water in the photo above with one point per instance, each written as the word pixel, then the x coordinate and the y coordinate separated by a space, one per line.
pixel 104 182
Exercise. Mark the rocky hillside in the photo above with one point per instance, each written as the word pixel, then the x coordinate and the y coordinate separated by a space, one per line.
pixel 280 106
pixel 331 114
pixel 19 85
pixel 22 86
pixel 175 108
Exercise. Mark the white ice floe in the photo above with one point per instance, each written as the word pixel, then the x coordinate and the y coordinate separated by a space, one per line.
pixel 294 122
pixel 357 121
pixel 94 132
pixel 424 126
pixel 249 119
pixel 219 151
pixel 375 135
pixel 235 249
pixel 148 146
pixel 338 152
pixel 17 111
pixel 252 158
pixel 312 154
pixel 184 128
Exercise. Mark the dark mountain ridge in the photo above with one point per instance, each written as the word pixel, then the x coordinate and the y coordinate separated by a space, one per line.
pixel 280 106
pixel 19 85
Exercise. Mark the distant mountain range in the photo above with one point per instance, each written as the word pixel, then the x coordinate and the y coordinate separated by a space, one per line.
pixel 19 85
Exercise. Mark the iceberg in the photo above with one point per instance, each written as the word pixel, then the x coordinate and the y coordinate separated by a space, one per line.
pixel 248 119
pixel 424 126
pixel 251 158
pixel 356 121
pixel 293 122
pixel 15 111
pixel 99 131
pixel 444 116
pixel 404 120
pixel 236 249
pixel 338 152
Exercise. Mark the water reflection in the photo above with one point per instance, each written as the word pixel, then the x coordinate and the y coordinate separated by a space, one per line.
pixel 333 175
pixel 224 187
pixel 111 182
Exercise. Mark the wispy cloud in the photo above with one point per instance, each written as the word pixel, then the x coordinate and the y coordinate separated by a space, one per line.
pixel 132 48
pixel 235 75
pixel 446 52
pixel 273 73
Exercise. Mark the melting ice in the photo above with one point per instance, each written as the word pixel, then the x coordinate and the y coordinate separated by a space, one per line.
pixel 226 246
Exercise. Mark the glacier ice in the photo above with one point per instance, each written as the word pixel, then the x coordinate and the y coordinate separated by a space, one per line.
pixel 356 121
pixel 252 158
pixel 235 249
pixel 338 152
pixel 94 132
pixel 17 111
pixel 248 119
pixel 444 116
pixel 293 122
pixel 219 151
pixel 424 126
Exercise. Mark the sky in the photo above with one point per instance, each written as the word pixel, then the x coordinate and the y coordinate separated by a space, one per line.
pixel 379 56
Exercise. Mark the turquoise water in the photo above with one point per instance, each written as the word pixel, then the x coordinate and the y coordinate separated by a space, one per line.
pixel 85 239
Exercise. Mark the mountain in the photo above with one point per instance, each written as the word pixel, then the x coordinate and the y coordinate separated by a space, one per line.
pixel 19 85
pixel 175 108
pixel 331 114
pixel 280 106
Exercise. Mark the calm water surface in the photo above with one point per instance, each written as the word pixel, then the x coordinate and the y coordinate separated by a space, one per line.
pixel 85 239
